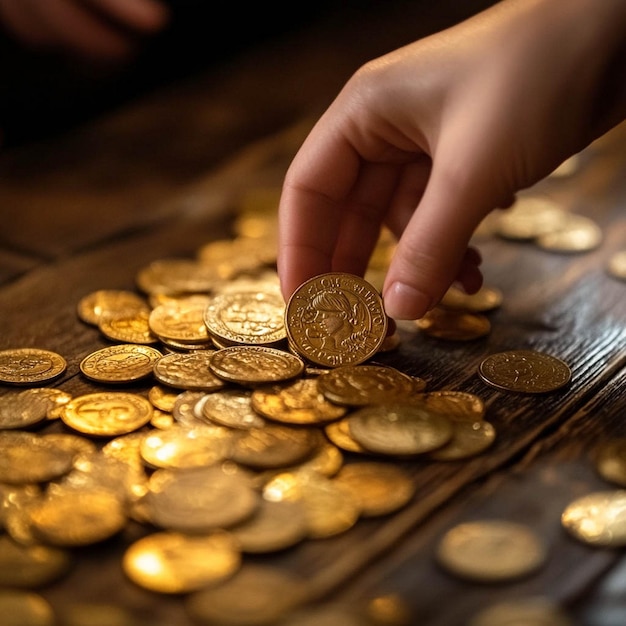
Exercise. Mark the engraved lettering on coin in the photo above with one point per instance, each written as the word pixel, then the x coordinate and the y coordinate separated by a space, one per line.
pixel 120 363
pixel 525 371
pixel 28 366
pixel 189 371
pixel 336 319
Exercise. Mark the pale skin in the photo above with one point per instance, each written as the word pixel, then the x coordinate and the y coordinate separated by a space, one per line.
pixel 431 137
pixel 101 30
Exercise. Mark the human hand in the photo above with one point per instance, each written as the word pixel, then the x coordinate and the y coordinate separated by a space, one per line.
pixel 433 136
pixel 97 29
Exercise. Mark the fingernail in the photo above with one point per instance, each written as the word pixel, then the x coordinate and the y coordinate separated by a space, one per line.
pixel 403 302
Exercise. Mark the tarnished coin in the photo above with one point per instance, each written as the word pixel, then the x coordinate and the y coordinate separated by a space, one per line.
pixel 107 413
pixel 30 366
pixel 485 299
pixel 170 562
pixel 490 550
pixel 454 325
pixel 254 365
pixel 99 304
pixel 358 385
pixel 190 370
pixel 336 319
pixel 30 406
pixel 399 428
pixel 248 317
pixel 296 402
pixel 120 363
pixel 533 611
pixel 525 371
pixel 610 460
pixel 378 488
pixel 598 519
pixel 257 595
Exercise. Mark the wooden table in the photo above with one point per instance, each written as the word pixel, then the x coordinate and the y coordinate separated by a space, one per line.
pixel 166 173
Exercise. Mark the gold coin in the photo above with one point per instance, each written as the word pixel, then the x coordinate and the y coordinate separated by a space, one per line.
pixel 107 413
pixel 30 458
pixel 297 402
pixel 30 366
pixel 29 406
pixel 468 439
pixel 179 276
pixel 339 433
pixel 272 446
pixel 378 488
pixel 128 327
pixel 485 299
pixel 25 608
pixel 248 317
pixel 274 526
pixel 330 508
pixel 533 611
pixel 459 405
pixel 524 371
pixel 610 461
pixel 182 447
pixel 121 363
pixel 254 365
pixel 598 519
pixel 454 325
pixel 530 217
pixel 616 266
pixel 399 428
pixel 232 408
pixel 490 550
pixel 182 321
pixel 31 566
pixel 189 371
pixel 200 499
pixel 257 595
pixel 163 398
pixel 577 234
pixel 99 304
pixel 77 518
pixel 170 562
pixel 336 319
pixel 359 385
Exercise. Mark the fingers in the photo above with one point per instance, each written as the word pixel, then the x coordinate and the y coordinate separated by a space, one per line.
pixel 91 28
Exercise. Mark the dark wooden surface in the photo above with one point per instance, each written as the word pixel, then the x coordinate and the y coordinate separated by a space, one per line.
pixel 165 173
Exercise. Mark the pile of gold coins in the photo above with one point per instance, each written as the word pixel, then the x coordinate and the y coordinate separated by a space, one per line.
pixel 265 424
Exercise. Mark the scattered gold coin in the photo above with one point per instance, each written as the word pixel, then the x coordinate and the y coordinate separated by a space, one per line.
pixel 577 234
pixel 598 519
pixel 533 611
pixel 616 266
pixel 99 304
pixel 188 370
pixel 485 299
pixel 336 319
pixel 490 550
pixel 30 366
pixel 454 325
pixel 524 371
pixel 610 461
pixel 170 562
pixel 107 413
pixel 399 429
pixel 120 363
